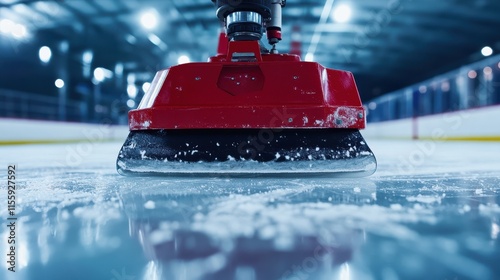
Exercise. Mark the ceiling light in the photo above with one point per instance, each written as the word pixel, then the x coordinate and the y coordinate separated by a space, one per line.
pixel 132 91
pixel 487 70
pixel 59 83
pixel 119 69
pixel 99 74
pixel 472 74
pixel 87 57
pixel 19 31
pixel 372 105
pixel 45 54
pixel 183 59
pixel 131 78
pixel 342 13
pixel 146 86
pixel 149 19
pixel 6 26
pixel 15 30
pixel 445 86
pixel 131 103
pixel 486 51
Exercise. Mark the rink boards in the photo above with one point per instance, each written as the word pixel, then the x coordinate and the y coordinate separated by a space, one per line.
pixel 19 131
pixel 473 124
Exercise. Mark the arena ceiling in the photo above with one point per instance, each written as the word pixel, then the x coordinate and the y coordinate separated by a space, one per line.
pixel 387 44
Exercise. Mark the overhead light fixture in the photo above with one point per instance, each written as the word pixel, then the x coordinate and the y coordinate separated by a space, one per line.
pixel 487 70
pixel 6 26
pixel 132 91
pixel 100 74
pixel 59 83
pixel 87 57
pixel 146 86
pixel 487 51
pixel 445 86
pixel 119 69
pixel 45 54
pixel 472 74
pixel 488 73
pixel 342 13
pixel 19 31
pixel 372 105
pixel 131 103
pixel 183 59
pixel 149 19
pixel 131 77
pixel 13 29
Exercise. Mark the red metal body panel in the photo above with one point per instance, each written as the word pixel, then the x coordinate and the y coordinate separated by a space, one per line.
pixel 268 91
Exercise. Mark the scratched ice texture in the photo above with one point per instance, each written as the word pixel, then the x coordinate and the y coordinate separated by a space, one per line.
pixel 431 211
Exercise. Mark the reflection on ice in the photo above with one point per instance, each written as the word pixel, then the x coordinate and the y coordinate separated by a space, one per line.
pixel 216 232
pixel 345 272
pixel 495 230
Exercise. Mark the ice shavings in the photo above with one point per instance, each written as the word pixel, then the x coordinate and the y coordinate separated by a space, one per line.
pixel 425 198
pixel 345 116
pixel 97 213
pixel 131 145
pixel 465 209
pixel 396 206
pixel 241 217
pixel 143 154
pixel 319 122
pixel 149 204
pixel 489 209
pixel 122 164
pixel 458 179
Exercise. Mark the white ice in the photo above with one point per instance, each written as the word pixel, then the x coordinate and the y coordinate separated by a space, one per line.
pixel 430 211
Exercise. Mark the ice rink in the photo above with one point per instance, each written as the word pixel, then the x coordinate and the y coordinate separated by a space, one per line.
pixel 431 211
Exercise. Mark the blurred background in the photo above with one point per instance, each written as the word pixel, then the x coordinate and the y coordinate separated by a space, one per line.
pixel 92 60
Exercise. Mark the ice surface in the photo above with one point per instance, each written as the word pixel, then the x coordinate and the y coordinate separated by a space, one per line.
pixel 431 211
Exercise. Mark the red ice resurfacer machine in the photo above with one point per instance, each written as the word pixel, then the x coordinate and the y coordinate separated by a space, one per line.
pixel 248 110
